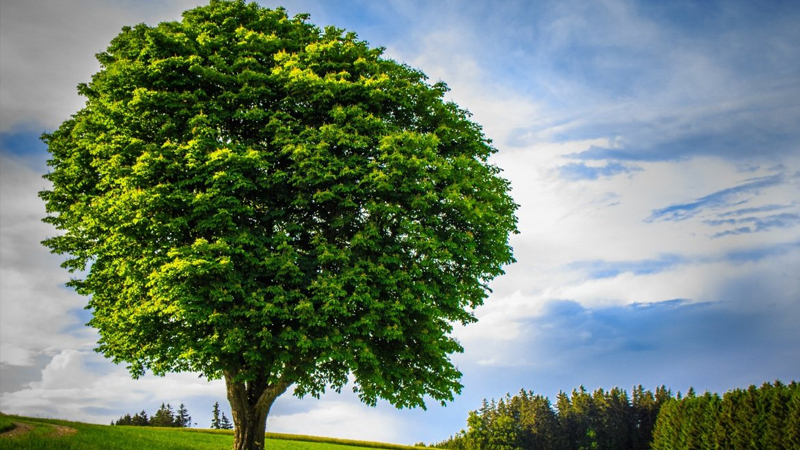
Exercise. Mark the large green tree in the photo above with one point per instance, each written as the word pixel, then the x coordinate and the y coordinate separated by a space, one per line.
pixel 254 198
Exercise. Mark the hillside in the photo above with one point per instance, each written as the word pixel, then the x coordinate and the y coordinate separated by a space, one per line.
pixel 50 434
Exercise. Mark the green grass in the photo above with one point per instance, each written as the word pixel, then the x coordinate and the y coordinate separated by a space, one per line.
pixel 103 437
pixel 6 423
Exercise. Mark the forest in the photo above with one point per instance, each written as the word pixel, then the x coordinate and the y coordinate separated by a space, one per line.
pixel 766 417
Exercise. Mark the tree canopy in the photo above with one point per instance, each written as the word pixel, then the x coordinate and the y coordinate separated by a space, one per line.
pixel 253 197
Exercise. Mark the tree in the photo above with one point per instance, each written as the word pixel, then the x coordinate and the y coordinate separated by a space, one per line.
pixel 215 421
pixel 792 430
pixel 164 417
pixel 182 418
pixel 538 421
pixel 257 199
pixel 643 418
pixel 124 420
pixel 140 419
pixel 225 423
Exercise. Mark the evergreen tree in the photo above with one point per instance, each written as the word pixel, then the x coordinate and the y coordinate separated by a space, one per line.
pixel 224 423
pixel 215 422
pixel 567 422
pixel 615 420
pixel 584 413
pixel 124 420
pixel 745 421
pixel 710 417
pixel 182 418
pixel 643 418
pixel 140 419
pixel 164 417
pixel 773 401
pixel 667 427
pixel 762 418
pixel 478 425
pixel 727 431
pixel 538 422
pixel 792 437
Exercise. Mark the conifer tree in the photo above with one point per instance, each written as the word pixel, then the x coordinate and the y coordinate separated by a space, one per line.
pixel 140 419
pixel 710 417
pixel 164 417
pixel 667 428
pixel 182 418
pixel 792 437
pixel 643 418
pixel 215 421
pixel 745 434
pixel 538 422
pixel 124 420
pixel 224 423
pixel 615 419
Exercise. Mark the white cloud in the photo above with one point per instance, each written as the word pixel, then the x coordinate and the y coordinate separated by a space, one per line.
pixel 35 306
pixel 48 49
pixel 337 418
pixel 82 386
pixel 604 220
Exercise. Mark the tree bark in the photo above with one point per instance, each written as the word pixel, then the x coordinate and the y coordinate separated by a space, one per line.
pixel 250 405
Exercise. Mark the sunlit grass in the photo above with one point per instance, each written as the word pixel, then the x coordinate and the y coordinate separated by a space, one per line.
pixel 43 435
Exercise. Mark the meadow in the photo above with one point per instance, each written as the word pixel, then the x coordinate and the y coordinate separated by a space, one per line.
pixel 52 434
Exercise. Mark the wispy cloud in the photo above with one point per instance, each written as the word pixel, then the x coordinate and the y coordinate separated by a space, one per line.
pixel 610 269
pixel 758 209
pixel 725 198
pixel 749 225
pixel 581 171
pixel 760 253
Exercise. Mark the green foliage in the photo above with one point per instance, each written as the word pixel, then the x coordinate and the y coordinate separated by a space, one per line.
pixel 124 420
pixel 216 423
pixel 182 418
pixel 256 197
pixel 140 419
pixel 792 421
pixel 164 417
pixel 225 423
pixel 755 418
pixel 600 420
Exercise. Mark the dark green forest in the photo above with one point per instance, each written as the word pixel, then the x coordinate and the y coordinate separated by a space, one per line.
pixel 757 418
pixel 164 417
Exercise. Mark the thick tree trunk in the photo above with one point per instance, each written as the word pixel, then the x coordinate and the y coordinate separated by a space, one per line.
pixel 250 405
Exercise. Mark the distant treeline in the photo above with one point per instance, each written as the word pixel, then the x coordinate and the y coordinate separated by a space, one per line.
pixel 164 417
pixel 756 418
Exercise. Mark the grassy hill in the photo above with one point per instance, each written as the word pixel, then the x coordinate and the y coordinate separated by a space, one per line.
pixel 50 434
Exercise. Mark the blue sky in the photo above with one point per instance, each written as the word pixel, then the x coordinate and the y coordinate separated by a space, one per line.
pixel 654 148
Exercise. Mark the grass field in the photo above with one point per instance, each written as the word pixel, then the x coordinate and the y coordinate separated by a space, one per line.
pixel 5 423
pixel 51 434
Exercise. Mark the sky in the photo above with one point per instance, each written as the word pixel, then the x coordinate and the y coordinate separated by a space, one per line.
pixel 653 148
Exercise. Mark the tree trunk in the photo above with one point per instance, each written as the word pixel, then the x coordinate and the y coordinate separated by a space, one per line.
pixel 250 405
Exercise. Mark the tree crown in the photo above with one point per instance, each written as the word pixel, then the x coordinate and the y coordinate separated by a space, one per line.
pixel 255 196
